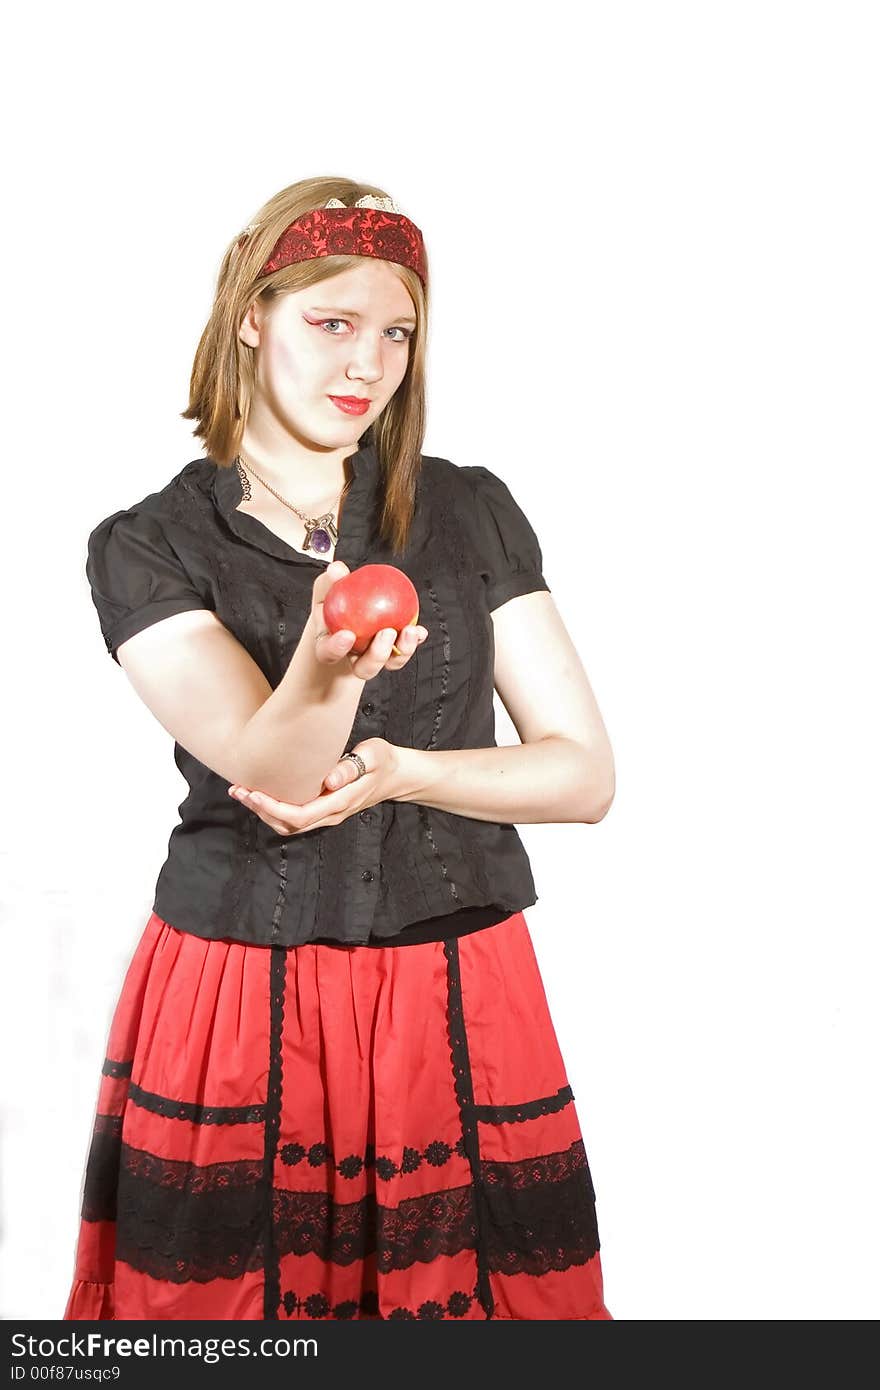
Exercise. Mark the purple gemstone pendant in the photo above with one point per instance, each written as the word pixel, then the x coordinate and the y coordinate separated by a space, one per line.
pixel 320 533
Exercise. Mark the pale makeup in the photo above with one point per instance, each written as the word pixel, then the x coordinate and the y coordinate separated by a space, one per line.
pixel 346 336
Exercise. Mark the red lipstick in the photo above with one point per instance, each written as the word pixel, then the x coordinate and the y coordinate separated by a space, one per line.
pixel 352 405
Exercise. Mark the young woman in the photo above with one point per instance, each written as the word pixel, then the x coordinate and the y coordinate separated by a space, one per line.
pixel 332 1086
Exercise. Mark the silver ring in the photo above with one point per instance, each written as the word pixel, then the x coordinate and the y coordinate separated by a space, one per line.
pixel 322 633
pixel 355 758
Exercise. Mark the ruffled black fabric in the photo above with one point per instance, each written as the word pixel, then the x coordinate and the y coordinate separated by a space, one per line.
pixel 136 575
pixel 511 562
pixel 229 875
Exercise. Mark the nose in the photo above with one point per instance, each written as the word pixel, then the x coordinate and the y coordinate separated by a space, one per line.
pixel 366 362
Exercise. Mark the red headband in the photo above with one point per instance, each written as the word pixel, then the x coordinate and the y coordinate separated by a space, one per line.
pixel 350 231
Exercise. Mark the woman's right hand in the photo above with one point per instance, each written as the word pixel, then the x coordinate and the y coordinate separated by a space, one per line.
pixel 331 648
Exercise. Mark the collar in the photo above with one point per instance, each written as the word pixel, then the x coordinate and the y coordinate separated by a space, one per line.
pixel 355 523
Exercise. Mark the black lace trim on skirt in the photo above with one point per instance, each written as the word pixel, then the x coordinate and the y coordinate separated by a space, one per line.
pixel 528 1110
pixel 318 1305
pixel 352 1165
pixel 194 1112
pixel 180 1222
pixel 277 979
pixel 464 1090
pixel 111 1068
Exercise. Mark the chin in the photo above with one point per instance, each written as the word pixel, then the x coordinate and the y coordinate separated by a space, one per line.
pixel 332 426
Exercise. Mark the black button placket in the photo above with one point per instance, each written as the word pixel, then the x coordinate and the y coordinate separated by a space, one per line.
pixel 351 547
pixel 362 887
pixel 365 873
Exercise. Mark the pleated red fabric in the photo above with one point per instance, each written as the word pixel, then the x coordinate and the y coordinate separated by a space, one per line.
pixel 321 1132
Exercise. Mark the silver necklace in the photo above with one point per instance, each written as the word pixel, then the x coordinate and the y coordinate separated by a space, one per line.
pixel 320 532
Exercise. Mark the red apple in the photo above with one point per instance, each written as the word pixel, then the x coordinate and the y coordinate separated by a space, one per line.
pixel 368 599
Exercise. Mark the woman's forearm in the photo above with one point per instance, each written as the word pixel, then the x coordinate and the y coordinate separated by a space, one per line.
pixel 293 740
pixel 553 779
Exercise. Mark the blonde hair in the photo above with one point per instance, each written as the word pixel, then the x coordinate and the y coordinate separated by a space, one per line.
pixel 222 379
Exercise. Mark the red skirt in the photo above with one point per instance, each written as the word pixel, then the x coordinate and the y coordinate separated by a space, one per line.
pixel 336 1132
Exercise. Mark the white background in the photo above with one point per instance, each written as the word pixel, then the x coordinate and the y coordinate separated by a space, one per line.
pixel 653 240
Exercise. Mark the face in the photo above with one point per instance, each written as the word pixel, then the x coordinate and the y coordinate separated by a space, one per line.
pixel 347 336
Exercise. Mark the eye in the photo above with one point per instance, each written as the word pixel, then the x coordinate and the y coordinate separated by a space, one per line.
pixel 322 323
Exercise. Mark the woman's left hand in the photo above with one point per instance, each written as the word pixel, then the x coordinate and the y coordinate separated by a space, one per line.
pixel 353 792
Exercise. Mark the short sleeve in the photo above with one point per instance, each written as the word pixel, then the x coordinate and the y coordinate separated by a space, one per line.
pixel 136 576
pixel 509 555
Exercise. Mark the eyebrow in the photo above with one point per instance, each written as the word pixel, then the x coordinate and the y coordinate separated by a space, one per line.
pixel 353 314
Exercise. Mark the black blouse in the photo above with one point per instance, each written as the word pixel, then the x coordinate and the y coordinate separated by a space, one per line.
pixel 397 872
